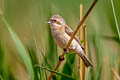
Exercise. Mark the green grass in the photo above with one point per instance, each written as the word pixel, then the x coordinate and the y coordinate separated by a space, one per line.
pixel 23 53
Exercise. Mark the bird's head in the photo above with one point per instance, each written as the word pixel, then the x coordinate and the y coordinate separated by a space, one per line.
pixel 56 21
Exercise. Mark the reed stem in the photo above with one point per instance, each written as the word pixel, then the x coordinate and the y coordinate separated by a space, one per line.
pixel 85 49
pixel 80 38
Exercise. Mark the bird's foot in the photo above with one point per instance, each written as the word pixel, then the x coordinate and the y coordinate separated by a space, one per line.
pixel 65 50
pixel 61 58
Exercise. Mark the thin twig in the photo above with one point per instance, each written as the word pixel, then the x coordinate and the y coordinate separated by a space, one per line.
pixel 68 44
pixel 85 49
pixel 80 37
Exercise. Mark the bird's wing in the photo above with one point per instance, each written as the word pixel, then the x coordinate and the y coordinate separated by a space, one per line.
pixel 69 31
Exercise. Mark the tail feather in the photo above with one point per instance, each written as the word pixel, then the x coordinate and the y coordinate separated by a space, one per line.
pixel 85 59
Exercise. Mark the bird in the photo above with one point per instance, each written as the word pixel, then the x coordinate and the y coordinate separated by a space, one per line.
pixel 62 33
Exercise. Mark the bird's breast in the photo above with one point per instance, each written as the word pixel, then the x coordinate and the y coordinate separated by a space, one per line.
pixel 61 38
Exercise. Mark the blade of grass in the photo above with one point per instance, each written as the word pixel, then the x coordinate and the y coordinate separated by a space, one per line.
pixel 67 69
pixel 1 77
pixel 2 62
pixel 46 60
pixel 23 53
pixel 38 75
pixel 117 27
pixel 61 74
pixel 52 50
pixel 5 72
pixel 34 59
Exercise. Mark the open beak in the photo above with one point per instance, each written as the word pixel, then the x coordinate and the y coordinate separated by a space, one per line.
pixel 48 22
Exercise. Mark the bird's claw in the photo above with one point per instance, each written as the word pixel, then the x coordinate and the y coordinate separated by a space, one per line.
pixel 61 58
pixel 65 50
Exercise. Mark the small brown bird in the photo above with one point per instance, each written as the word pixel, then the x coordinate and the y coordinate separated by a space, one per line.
pixel 62 33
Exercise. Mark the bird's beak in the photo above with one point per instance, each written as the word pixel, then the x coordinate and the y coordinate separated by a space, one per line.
pixel 48 22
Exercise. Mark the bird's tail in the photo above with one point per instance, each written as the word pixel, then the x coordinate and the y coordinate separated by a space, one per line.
pixel 85 59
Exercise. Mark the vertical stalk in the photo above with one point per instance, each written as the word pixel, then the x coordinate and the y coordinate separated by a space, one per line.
pixel 80 37
pixel 85 49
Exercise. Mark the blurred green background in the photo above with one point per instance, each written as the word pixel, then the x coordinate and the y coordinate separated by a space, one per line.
pixel 28 33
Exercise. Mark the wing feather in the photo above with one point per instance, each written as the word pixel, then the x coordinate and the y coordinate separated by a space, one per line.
pixel 69 31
